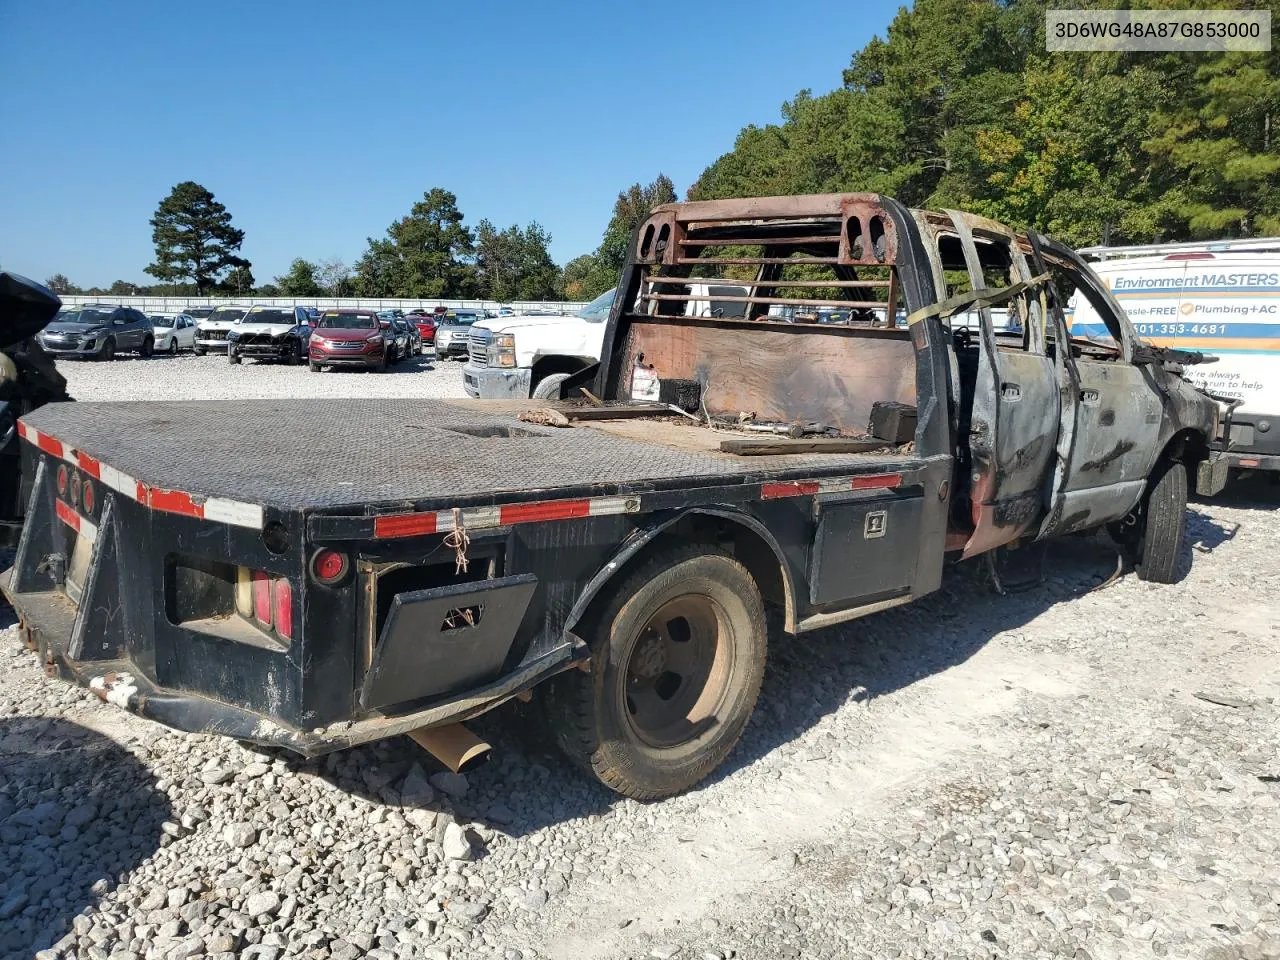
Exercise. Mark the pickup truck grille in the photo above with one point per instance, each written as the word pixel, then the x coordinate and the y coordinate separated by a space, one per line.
pixel 212 334
pixel 478 347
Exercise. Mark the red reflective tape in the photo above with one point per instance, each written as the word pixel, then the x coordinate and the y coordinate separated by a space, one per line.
pixel 89 465
pixel 404 525
pixel 67 515
pixel 172 501
pixel 23 430
pixel 47 443
pixel 772 491
pixel 546 510
pixel 879 481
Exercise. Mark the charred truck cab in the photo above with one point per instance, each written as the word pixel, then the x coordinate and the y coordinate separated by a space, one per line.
pixel 249 569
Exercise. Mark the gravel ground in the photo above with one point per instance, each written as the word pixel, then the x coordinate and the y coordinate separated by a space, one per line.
pixel 188 377
pixel 1060 772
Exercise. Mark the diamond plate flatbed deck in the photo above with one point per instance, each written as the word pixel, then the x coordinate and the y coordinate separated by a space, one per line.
pixel 360 453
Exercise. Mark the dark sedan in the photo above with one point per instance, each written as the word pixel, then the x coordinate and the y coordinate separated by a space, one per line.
pixel 349 338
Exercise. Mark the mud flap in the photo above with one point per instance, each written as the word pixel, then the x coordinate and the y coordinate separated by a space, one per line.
pixel 1211 474
pixel 446 639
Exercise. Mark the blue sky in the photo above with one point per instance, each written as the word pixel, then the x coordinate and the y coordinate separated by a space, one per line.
pixel 319 123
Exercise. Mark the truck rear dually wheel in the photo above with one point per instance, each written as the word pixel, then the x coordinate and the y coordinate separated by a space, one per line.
pixel 677 658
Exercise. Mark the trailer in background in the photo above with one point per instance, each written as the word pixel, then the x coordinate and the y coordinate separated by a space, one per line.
pixel 1221 298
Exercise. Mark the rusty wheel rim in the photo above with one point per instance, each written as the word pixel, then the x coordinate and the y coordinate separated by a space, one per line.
pixel 678 670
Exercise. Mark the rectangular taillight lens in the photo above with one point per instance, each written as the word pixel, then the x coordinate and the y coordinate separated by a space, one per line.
pixel 284 607
pixel 262 597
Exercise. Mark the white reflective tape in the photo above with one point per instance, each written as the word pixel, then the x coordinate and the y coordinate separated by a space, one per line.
pixel 475 517
pixel 120 482
pixel 233 512
pixel 841 485
pixel 604 506
pixel 88 530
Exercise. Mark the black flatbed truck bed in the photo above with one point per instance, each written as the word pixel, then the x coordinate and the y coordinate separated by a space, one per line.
pixel 314 576
pixel 373 456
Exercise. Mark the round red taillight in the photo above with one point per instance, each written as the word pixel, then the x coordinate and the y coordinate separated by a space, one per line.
pixel 329 566
pixel 88 499
pixel 75 488
pixel 62 480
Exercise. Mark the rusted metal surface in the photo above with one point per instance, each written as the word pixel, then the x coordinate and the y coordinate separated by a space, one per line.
pixel 868 236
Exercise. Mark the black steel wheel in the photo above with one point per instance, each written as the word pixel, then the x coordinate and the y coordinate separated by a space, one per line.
pixel 677 658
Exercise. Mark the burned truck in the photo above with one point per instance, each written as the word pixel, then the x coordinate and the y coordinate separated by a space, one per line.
pixel 248 569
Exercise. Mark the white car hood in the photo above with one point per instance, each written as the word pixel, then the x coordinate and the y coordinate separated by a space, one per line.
pixel 511 324
pixel 216 325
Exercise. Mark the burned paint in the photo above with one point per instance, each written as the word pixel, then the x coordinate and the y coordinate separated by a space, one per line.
pixel 1119 450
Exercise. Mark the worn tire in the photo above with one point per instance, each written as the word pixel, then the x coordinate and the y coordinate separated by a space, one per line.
pixel 148 347
pixel 588 713
pixel 198 351
pixel 108 351
pixel 173 347
pixel 232 359
pixel 315 368
pixel 548 387
pixel 1160 551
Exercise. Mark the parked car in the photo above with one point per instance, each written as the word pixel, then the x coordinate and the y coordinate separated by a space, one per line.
pixel 270 333
pixel 174 333
pixel 349 338
pixel 211 332
pixel 425 324
pixel 414 338
pixel 199 313
pixel 397 338
pixel 451 333
pixel 98 330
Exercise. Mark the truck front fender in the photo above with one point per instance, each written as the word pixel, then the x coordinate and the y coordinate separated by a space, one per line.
pixel 660 524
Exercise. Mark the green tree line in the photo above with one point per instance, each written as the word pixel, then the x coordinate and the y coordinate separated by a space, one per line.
pixel 959 106
pixel 428 253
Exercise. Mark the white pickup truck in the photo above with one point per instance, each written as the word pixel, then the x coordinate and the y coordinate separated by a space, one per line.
pixel 531 355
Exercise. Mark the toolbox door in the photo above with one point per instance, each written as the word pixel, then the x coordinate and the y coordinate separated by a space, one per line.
pixel 866 547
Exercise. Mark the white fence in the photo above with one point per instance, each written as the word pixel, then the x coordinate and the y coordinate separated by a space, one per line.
pixel 178 304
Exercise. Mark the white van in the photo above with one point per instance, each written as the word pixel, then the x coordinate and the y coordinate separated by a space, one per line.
pixel 1221 299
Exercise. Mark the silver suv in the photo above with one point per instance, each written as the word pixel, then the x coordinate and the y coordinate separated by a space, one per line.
pixel 98 331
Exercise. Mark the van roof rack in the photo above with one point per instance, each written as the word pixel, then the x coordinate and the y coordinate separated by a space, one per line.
pixel 1254 245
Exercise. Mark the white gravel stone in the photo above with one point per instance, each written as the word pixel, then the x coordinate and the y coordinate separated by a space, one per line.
pixel 262 904
pixel 456 845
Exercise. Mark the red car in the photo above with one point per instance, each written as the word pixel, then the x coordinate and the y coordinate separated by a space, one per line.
pixel 348 338
pixel 426 324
